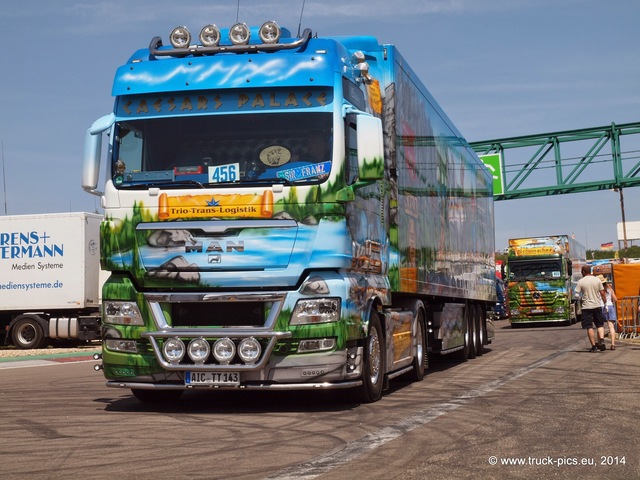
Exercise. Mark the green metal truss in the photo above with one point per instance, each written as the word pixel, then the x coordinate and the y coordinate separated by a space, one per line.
pixel 567 162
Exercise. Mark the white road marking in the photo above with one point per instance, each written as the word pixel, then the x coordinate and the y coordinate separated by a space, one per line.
pixel 325 463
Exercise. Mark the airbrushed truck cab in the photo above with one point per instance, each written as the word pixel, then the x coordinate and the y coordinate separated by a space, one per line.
pixel 284 213
pixel 542 273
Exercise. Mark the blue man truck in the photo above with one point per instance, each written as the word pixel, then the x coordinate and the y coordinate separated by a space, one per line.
pixel 285 213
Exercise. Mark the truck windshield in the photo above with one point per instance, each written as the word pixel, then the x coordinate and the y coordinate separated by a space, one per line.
pixel 535 269
pixel 224 149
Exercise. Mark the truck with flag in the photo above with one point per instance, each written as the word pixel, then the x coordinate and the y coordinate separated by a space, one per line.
pixel 541 273
pixel 285 213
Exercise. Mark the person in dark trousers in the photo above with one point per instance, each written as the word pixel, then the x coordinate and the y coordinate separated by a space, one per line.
pixel 593 301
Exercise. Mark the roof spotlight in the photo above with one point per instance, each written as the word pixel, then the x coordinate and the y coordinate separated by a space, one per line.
pixel 210 36
pixel 357 57
pixel 180 37
pixel 239 34
pixel 363 71
pixel 270 32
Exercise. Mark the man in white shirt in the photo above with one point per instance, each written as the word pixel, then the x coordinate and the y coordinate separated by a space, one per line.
pixel 593 299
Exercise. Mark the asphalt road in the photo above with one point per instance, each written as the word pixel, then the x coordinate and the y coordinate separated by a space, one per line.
pixel 537 404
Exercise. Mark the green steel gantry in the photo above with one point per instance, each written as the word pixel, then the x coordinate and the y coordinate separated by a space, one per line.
pixel 567 162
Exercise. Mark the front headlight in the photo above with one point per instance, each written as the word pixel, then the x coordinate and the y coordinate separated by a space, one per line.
pixel 120 345
pixel 122 313
pixel 316 310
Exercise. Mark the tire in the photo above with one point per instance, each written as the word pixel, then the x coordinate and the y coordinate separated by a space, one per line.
pixel 472 337
pixel 373 364
pixel 27 333
pixel 157 396
pixel 463 354
pixel 421 359
pixel 480 330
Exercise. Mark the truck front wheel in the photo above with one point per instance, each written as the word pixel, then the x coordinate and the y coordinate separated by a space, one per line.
pixel 373 364
pixel 27 333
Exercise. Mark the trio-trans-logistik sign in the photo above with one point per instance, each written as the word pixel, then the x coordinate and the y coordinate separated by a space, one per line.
pixel 285 213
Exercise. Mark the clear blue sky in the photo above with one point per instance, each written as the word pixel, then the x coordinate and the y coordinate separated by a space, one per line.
pixel 499 68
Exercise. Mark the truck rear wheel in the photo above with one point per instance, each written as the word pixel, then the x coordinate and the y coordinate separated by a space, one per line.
pixel 421 358
pixel 480 329
pixel 27 333
pixel 472 329
pixel 373 367
pixel 464 353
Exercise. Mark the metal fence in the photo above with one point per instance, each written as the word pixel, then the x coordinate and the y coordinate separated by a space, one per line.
pixel 628 323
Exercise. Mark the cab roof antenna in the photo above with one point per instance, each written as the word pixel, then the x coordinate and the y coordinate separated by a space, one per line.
pixel 301 12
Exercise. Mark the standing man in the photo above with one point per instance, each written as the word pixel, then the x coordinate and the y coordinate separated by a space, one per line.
pixel 593 301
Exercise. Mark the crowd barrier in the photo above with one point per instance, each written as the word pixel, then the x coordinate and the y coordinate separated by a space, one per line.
pixel 628 325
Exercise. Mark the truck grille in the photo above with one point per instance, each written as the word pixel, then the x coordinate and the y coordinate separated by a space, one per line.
pixel 218 314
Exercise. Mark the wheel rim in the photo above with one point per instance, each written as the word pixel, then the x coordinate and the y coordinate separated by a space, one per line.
pixel 420 344
pixel 26 333
pixel 466 329
pixel 374 356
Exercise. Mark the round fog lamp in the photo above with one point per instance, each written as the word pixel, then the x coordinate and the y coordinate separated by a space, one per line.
pixel 249 350
pixel 239 34
pixel 224 350
pixel 173 350
pixel 270 32
pixel 199 350
pixel 180 37
pixel 210 36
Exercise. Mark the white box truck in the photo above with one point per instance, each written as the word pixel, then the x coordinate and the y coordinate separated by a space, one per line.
pixel 49 278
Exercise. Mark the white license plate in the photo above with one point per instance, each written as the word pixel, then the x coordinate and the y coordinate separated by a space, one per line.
pixel 537 310
pixel 212 378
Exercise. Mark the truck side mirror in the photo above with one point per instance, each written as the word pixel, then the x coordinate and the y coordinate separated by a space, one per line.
pixel 370 149
pixel 92 147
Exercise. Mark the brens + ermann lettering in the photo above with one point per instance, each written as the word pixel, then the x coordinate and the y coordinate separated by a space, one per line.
pixel 28 245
